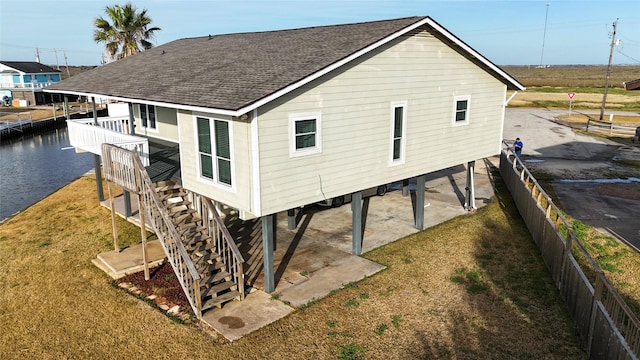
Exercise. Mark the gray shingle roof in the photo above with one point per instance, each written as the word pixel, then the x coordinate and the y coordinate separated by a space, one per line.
pixel 229 72
pixel 29 67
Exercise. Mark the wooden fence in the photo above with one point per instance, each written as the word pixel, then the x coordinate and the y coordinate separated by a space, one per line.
pixel 609 128
pixel 607 326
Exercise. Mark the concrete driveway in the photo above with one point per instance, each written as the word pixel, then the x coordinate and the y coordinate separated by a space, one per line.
pixel 591 184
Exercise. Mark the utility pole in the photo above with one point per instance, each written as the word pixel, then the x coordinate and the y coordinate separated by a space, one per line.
pixel 37 55
pixel 544 35
pixel 64 52
pixel 55 51
pixel 606 82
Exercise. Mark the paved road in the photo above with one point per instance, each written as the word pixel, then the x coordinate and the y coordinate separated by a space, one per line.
pixel 555 149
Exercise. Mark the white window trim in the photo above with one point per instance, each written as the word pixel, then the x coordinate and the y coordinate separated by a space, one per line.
pixel 215 182
pixel 147 128
pixel 293 152
pixel 403 141
pixel 467 113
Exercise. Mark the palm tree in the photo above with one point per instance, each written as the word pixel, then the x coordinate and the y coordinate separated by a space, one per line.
pixel 128 32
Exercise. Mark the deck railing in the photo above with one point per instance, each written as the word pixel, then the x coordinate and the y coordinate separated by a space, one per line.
pixel 125 169
pixel 608 327
pixel 15 121
pixel 86 136
pixel 27 85
pixel 224 243
pixel 119 124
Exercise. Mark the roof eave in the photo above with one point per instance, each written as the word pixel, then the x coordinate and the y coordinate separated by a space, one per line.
pixel 512 84
pixel 227 112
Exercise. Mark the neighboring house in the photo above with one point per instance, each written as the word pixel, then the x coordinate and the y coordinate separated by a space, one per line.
pixel 273 121
pixel 24 80
pixel 632 85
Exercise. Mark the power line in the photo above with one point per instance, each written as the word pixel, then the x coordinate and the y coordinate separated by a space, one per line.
pixel 628 57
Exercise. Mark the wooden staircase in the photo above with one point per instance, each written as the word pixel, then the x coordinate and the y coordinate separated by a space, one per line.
pixel 216 284
pixel 202 253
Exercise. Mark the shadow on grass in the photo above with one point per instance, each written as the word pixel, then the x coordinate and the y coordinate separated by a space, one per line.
pixel 508 277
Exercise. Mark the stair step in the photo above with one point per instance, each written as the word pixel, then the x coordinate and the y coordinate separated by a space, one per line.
pixel 189 225
pixel 177 202
pixel 168 187
pixel 183 215
pixel 195 239
pixel 219 300
pixel 199 249
pixel 214 278
pixel 173 194
pixel 209 266
pixel 164 183
pixel 203 252
pixel 214 290
pixel 206 259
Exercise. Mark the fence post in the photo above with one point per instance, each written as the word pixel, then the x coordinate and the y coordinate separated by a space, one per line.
pixel 610 124
pixel 597 295
pixel 588 120
pixel 565 255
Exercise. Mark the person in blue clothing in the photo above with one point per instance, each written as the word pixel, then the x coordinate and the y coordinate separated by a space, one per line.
pixel 517 148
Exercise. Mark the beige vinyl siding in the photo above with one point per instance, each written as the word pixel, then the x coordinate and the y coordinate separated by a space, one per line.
pixel 166 124
pixel 355 105
pixel 239 195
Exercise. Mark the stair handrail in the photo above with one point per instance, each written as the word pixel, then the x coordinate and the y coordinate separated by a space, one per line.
pixel 190 280
pixel 160 220
pixel 225 245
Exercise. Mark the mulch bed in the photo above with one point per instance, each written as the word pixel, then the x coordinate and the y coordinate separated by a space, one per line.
pixel 163 287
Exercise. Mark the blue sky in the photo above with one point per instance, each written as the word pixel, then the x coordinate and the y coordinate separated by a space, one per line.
pixel 506 32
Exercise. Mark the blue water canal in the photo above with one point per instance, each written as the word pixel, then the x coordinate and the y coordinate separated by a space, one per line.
pixel 36 166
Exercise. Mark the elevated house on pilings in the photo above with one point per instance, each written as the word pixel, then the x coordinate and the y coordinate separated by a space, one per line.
pixel 23 81
pixel 270 122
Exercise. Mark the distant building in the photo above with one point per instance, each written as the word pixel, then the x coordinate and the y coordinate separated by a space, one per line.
pixel 632 85
pixel 24 81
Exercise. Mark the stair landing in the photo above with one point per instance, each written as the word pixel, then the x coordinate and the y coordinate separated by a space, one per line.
pixel 129 260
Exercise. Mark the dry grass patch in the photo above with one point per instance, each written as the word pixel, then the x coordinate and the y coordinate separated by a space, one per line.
pixel 558 99
pixel 474 287
pixel 582 119
pixel 573 75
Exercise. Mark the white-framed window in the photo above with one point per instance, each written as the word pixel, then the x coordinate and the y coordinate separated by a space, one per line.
pixel 148 116
pixel 461 107
pixel 305 134
pixel 398 132
pixel 214 150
